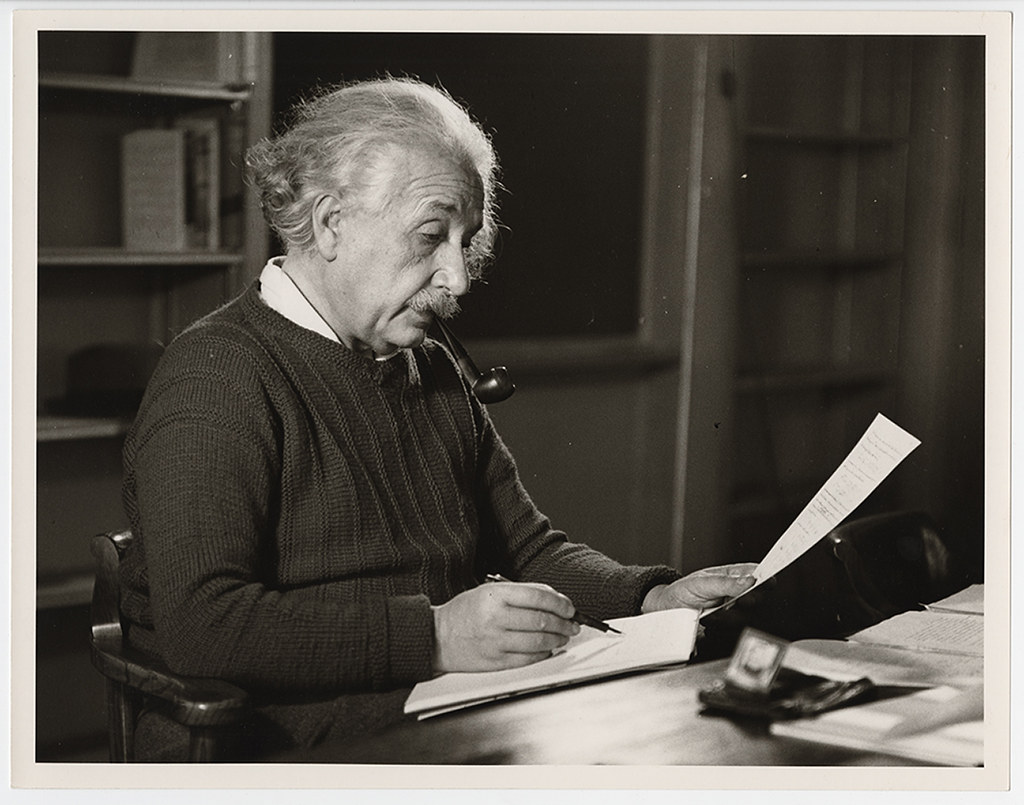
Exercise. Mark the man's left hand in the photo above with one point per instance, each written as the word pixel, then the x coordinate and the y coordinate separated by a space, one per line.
pixel 702 589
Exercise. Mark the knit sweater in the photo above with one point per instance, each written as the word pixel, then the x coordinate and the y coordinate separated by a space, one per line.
pixel 297 509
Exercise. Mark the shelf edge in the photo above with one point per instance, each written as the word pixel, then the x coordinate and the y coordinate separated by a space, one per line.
pixel 119 257
pixel 199 90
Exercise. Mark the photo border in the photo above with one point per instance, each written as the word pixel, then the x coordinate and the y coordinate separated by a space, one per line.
pixel 25 772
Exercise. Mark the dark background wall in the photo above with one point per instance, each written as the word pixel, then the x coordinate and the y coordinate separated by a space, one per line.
pixel 566 114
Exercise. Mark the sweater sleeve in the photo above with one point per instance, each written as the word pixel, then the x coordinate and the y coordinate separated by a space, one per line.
pixel 520 539
pixel 202 473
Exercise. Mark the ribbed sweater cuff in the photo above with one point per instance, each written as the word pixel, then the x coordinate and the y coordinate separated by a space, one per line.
pixel 411 638
pixel 631 587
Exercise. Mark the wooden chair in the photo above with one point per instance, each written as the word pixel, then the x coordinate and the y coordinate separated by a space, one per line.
pixel 205 706
pixel 892 563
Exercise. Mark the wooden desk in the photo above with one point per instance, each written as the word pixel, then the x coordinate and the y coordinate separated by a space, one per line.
pixel 649 719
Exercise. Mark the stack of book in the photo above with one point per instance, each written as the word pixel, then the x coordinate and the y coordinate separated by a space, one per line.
pixel 179 190
pixel 171 191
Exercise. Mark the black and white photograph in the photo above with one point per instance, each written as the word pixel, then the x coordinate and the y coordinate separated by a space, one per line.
pixel 492 394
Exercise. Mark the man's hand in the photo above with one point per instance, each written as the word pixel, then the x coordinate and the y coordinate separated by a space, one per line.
pixel 702 589
pixel 500 625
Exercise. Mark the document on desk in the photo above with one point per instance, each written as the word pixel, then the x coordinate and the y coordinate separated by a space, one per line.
pixel 882 447
pixel 940 647
pixel 942 725
pixel 884 665
pixel 942 644
pixel 943 632
pixel 970 600
pixel 647 641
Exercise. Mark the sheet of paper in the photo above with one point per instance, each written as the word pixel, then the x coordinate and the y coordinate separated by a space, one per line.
pixel 651 640
pixel 945 632
pixel 970 600
pixel 883 665
pixel 939 725
pixel 883 446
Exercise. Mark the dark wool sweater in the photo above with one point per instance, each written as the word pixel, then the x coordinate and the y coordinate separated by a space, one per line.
pixel 298 508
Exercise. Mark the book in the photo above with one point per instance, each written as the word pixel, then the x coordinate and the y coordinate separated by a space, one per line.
pixel 202 180
pixel 232 184
pixel 653 640
pixel 153 178
pixel 217 57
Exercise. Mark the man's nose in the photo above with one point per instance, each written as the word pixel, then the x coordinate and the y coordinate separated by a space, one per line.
pixel 452 275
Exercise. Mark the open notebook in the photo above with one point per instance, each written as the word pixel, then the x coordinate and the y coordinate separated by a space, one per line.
pixel 647 641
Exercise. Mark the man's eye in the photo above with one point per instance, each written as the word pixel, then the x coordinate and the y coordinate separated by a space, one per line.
pixel 432 236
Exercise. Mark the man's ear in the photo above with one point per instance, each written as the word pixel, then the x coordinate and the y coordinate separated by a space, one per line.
pixel 327 226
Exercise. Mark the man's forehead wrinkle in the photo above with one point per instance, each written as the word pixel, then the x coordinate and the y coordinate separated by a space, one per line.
pixel 441 205
pixel 455 197
pixel 443 183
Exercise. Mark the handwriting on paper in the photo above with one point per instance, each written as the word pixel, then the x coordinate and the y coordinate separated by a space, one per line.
pixel 883 446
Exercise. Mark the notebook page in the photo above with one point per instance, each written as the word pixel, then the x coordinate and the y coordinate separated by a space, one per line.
pixel 654 639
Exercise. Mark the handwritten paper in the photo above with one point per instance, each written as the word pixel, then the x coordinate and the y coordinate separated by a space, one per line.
pixel 883 446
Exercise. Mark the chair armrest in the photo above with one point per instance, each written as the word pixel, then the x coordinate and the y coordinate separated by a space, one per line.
pixel 201 705
pixel 893 561
pixel 195 702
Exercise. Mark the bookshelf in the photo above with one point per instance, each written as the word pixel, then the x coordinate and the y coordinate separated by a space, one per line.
pixel 803 259
pixel 99 299
pixel 822 132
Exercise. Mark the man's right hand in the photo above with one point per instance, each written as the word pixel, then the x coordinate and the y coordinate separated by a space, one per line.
pixel 500 625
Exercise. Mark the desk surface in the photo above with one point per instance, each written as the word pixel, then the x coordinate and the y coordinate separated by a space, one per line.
pixel 652 719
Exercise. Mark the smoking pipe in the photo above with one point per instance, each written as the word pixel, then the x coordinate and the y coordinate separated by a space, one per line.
pixel 491 386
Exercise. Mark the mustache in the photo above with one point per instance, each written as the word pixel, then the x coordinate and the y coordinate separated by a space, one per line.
pixel 442 305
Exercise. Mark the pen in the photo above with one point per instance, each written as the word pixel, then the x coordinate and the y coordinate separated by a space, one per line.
pixel 578 617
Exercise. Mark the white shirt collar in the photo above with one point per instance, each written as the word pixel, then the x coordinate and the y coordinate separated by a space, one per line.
pixel 281 293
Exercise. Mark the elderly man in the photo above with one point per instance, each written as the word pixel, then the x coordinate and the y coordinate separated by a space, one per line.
pixel 315 492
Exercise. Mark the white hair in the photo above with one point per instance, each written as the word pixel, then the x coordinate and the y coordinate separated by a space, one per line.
pixel 337 139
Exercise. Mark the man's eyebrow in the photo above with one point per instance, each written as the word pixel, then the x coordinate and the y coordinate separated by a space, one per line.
pixel 437 205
